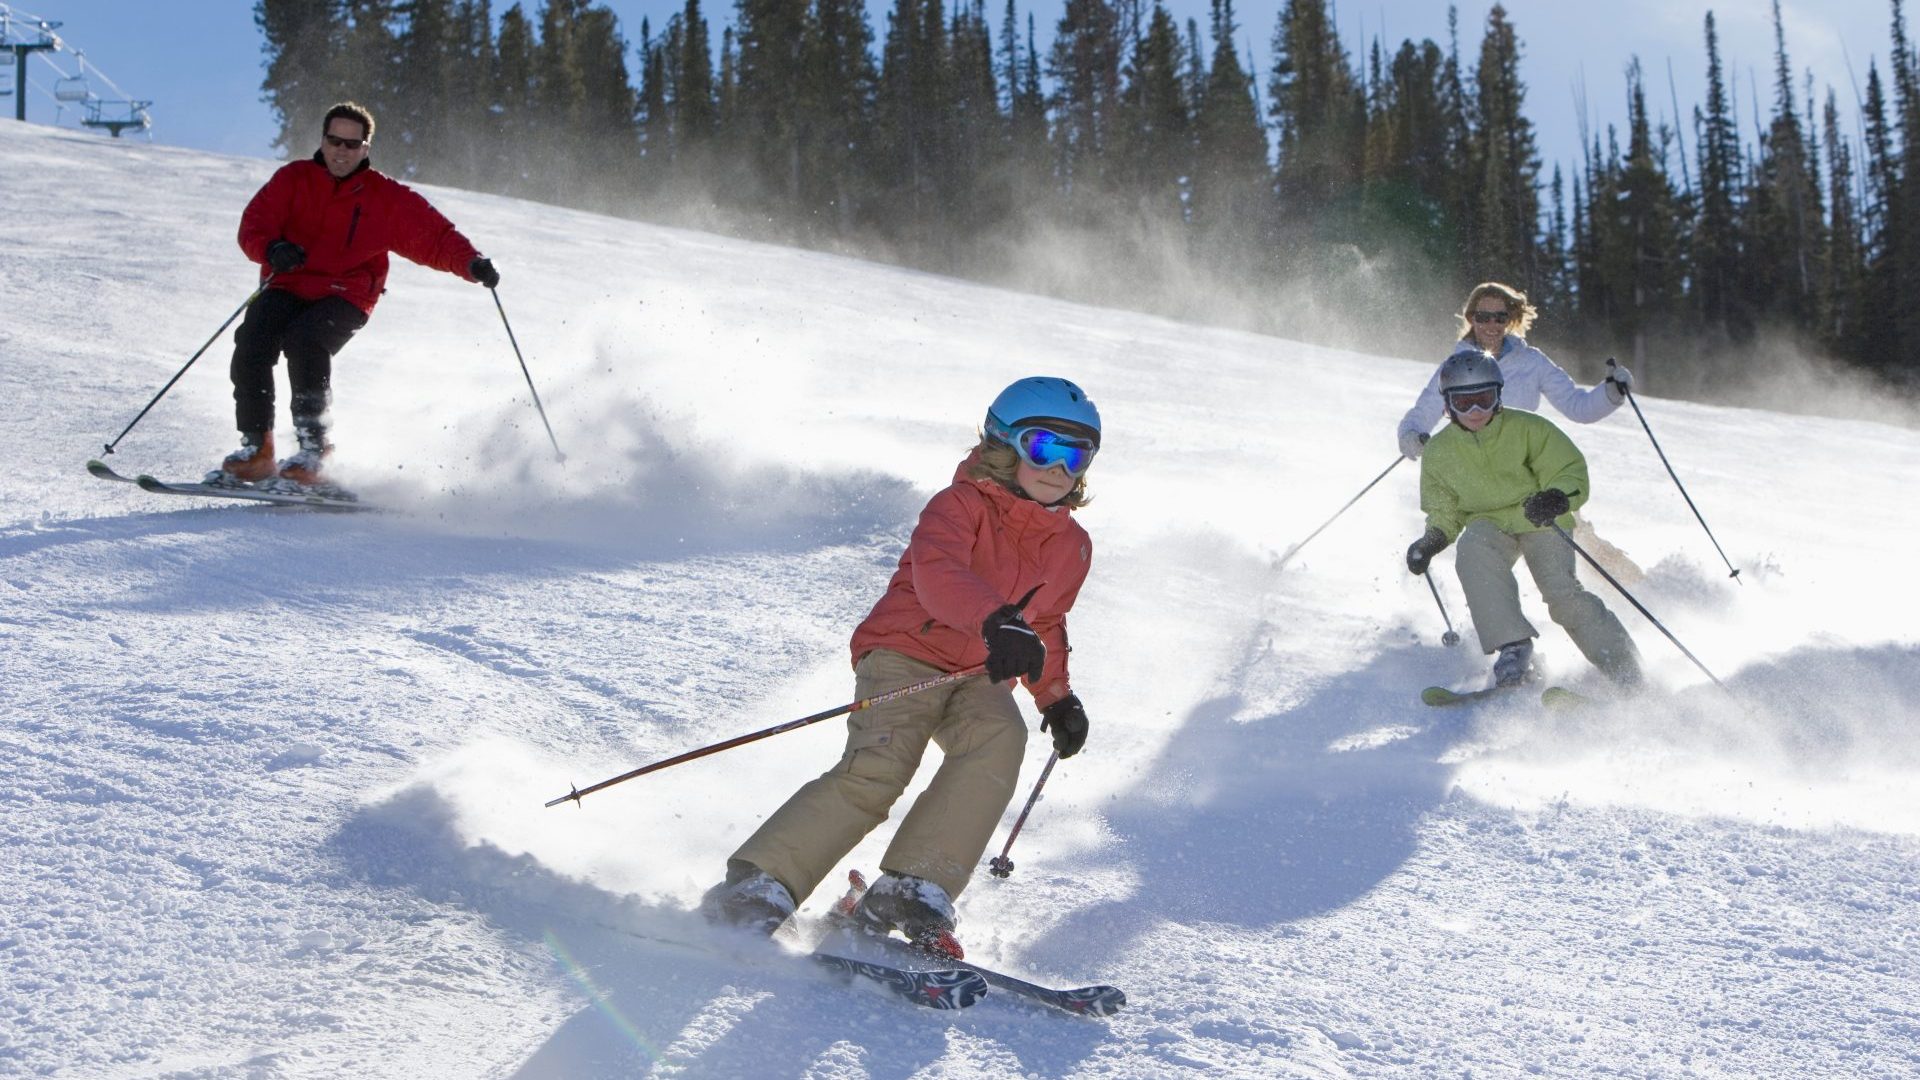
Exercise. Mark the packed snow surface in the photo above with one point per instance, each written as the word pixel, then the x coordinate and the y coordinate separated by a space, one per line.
pixel 271 781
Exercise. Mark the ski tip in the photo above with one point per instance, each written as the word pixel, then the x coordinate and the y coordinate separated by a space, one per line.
pixel 1438 695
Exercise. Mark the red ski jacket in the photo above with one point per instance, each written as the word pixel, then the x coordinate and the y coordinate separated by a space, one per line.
pixel 978 547
pixel 347 228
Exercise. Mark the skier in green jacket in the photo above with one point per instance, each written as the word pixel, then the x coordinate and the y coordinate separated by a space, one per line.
pixel 1495 480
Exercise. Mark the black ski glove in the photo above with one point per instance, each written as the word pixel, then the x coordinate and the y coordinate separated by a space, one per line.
pixel 1012 646
pixel 285 256
pixel 1431 543
pixel 1542 507
pixel 483 272
pixel 1068 722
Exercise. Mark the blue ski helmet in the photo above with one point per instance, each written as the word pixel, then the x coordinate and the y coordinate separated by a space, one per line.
pixel 1043 400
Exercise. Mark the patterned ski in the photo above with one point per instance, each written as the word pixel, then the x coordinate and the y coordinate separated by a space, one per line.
pixel 1080 1001
pixel 945 988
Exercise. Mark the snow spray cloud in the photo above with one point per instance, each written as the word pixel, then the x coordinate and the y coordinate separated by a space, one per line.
pixel 1813 739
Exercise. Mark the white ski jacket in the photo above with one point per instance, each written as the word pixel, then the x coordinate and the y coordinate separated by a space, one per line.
pixel 1529 376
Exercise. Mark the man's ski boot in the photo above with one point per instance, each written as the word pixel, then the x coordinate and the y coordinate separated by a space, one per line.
pixel 750 898
pixel 307 468
pixel 916 907
pixel 1514 664
pixel 250 464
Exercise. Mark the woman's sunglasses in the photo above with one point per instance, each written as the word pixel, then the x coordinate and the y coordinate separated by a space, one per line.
pixel 1490 316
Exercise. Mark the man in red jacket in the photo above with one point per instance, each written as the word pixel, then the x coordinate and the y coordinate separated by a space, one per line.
pixel 321 230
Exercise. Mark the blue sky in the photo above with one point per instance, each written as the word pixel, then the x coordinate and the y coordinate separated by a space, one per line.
pixel 200 60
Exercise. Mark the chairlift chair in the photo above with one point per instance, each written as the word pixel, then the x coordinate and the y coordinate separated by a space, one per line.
pixel 123 115
pixel 72 89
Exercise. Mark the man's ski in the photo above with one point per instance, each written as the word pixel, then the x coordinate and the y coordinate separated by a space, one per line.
pixel 944 988
pixel 1081 1001
pixel 338 500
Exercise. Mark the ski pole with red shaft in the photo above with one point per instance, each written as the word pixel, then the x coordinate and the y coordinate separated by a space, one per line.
pixel 865 703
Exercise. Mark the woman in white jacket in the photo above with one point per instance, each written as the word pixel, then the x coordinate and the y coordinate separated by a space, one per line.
pixel 1495 319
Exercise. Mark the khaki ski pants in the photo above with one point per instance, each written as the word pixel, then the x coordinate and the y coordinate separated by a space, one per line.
pixel 1484 557
pixel 978 728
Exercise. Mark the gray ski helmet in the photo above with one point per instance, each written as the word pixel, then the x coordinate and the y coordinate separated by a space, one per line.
pixel 1467 372
pixel 1470 369
pixel 1043 400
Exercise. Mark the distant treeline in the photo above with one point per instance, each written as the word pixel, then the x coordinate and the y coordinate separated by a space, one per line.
pixel 1140 162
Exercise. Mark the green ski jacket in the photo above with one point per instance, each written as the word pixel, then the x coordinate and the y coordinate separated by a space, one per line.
pixel 1489 473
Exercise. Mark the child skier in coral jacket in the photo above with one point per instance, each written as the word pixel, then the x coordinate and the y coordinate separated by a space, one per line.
pixel 988 577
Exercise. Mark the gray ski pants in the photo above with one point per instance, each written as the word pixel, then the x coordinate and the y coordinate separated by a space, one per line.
pixel 977 726
pixel 1484 557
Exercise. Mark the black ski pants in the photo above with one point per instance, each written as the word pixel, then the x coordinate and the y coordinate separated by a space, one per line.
pixel 310 332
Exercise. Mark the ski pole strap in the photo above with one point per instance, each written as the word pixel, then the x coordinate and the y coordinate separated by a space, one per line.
pixel 865 703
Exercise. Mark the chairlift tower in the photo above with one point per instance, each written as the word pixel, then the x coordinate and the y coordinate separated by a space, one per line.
pixel 16 53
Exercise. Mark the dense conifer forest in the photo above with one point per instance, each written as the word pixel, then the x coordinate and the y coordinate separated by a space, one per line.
pixel 1350 193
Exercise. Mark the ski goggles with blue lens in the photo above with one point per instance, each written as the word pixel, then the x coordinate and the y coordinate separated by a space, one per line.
pixel 1044 447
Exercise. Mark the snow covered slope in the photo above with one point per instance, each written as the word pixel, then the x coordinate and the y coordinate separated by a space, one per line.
pixel 271 781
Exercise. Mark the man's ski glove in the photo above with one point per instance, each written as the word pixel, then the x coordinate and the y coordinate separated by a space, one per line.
pixel 285 256
pixel 1012 646
pixel 1432 543
pixel 1068 722
pixel 1619 383
pixel 1411 443
pixel 482 271
pixel 1542 507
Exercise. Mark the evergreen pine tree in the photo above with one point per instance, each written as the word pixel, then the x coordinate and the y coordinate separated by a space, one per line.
pixel 301 39
pixel 1504 242
pixel 835 114
pixel 513 96
pixel 1843 271
pixel 1156 143
pixel 1084 64
pixel 417 137
pixel 1784 226
pixel 1638 243
pixel 1318 112
pixel 769 40
pixel 1232 189
pixel 1716 241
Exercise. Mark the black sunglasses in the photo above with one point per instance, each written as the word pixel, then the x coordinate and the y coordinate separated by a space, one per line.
pixel 345 144
pixel 1489 316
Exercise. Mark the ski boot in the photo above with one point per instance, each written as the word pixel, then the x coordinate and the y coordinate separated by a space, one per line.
pixel 250 464
pixel 750 898
pixel 1514 664
pixel 306 469
pixel 916 907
